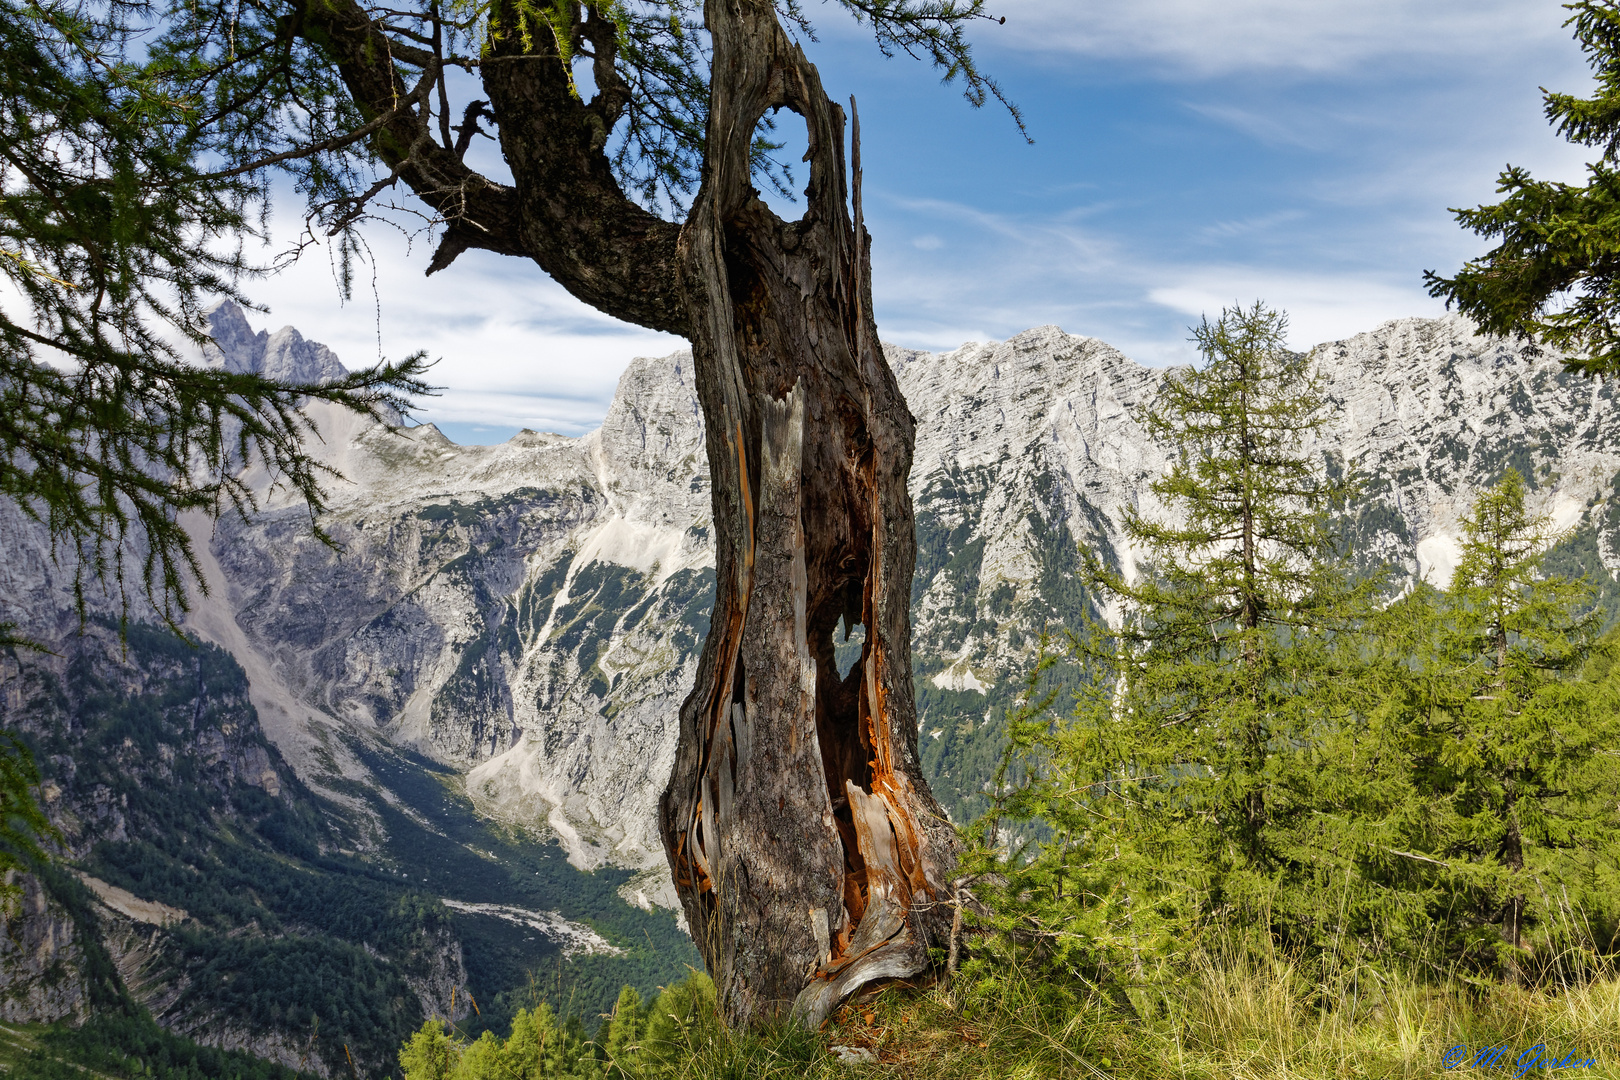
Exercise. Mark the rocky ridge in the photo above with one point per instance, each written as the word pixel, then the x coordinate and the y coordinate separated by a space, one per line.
pixel 531 612
pixel 528 617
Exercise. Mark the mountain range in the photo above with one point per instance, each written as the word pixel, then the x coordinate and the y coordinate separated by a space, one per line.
pixel 450 731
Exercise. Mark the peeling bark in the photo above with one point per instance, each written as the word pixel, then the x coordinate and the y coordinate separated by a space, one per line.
pixel 808 852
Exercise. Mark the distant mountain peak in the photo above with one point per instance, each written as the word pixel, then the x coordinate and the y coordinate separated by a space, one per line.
pixel 532 612
pixel 285 355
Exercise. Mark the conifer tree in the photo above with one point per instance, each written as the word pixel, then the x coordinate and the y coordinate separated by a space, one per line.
pixel 1186 782
pixel 1554 276
pixel 22 823
pixel 1230 628
pixel 1506 747
pixel 113 237
pixel 623 1034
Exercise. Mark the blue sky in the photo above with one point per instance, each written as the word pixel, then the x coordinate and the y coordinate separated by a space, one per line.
pixel 1187 154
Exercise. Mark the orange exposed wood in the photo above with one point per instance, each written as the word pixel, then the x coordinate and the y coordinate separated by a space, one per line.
pixel 815 848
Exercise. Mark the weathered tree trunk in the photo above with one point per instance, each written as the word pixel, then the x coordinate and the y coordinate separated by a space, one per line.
pixel 808 852
pixel 807 849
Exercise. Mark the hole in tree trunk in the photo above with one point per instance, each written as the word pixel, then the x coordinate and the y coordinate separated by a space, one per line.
pixel 780 171
pixel 847 645
pixel 846 751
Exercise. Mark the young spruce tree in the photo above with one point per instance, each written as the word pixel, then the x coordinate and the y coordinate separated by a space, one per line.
pixel 1510 741
pixel 1233 628
pixel 1186 784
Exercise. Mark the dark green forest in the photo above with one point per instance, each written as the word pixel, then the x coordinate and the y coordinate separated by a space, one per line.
pixel 293 926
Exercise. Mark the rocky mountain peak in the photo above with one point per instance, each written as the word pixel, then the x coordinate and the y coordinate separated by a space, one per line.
pixel 284 355
pixel 530 614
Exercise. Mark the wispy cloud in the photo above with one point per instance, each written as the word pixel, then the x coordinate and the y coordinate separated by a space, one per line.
pixel 1201 39
pixel 1014 272
pixel 1321 307
pixel 1229 230
pixel 1267 127
pixel 514 348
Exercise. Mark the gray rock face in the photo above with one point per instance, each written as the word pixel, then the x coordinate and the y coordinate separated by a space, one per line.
pixel 532 612
pixel 527 611
pixel 283 355
pixel 40 956
pixel 1029 448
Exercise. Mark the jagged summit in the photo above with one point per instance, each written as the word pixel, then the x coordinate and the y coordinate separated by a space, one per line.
pixel 283 355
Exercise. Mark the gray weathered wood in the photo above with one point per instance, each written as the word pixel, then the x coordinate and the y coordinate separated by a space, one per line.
pixel 816 861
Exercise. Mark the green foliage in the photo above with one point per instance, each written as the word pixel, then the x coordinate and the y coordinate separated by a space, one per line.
pixel 129 1044
pixel 267 99
pixel 623 1033
pixel 1233 632
pixel 1183 783
pixel 1265 752
pixel 22 822
pixel 1507 746
pixel 684 1016
pixel 1553 275
pixel 113 237
pixel 635 1040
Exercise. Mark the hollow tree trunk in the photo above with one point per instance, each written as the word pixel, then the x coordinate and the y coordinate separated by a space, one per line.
pixel 807 850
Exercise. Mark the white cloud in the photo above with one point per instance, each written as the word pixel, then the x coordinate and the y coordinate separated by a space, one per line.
pixel 1014 272
pixel 1204 38
pixel 514 348
pixel 1321 307
pixel 1269 127
pixel 1228 230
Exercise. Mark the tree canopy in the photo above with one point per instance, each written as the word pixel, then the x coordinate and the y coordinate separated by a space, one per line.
pixel 115 235
pixel 1554 276
pixel 1186 782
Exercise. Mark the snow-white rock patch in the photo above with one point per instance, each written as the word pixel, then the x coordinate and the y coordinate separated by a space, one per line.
pixel 576 939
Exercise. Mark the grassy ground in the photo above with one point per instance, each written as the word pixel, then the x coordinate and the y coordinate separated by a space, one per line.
pixel 1226 1020
pixel 21 1049
pixel 1232 1021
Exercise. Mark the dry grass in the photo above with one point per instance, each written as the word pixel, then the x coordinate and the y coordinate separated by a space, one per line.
pixel 1228 1019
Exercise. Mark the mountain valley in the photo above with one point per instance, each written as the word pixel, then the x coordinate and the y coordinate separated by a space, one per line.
pixel 420 770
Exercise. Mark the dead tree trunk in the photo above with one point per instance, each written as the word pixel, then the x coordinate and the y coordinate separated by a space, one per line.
pixel 807 849
pixel 808 852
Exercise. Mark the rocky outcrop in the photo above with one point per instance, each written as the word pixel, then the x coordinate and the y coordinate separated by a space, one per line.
pixel 525 611
pixel 283 355
pixel 530 613
pixel 40 956
pixel 1030 448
